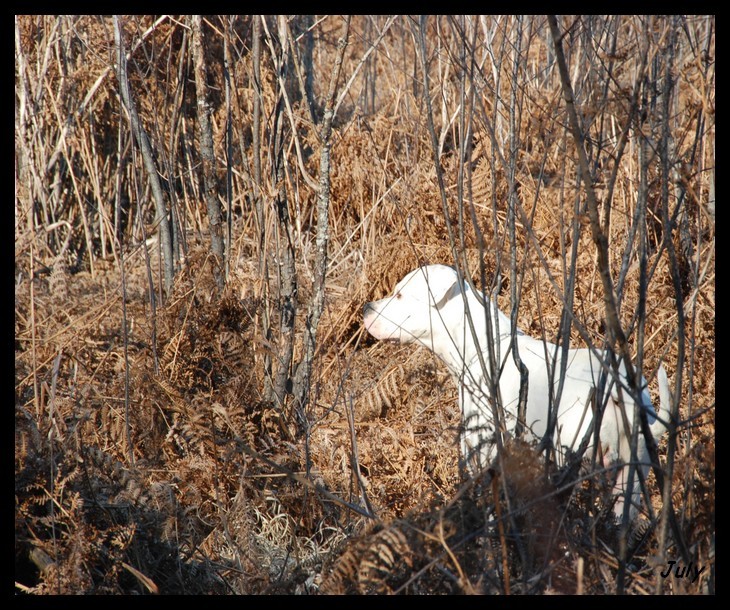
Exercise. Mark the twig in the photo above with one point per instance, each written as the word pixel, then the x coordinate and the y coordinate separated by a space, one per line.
pixel 354 462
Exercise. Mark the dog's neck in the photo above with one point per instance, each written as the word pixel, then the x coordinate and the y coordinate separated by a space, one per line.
pixel 461 346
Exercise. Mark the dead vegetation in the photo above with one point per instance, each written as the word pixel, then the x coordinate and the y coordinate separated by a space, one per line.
pixel 160 444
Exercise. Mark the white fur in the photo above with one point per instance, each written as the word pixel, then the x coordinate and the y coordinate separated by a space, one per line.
pixel 429 306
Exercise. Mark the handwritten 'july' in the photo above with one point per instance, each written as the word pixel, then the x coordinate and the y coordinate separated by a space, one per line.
pixel 691 571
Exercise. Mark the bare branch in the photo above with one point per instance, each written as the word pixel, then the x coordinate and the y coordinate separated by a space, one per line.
pixel 205 134
pixel 144 144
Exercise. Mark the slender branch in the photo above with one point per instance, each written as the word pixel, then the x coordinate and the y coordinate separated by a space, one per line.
pixel 613 325
pixel 227 66
pixel 205 134
pixel 363 59
pixel 287 104
pixel 288 286
pixel 302 381
pixel 140 135
pixel 667 517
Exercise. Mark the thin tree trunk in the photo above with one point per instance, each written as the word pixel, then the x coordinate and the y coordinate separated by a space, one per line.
pixel 304 370
pixel 667 519
pixel 258 202
pixel 227 67
pixel 163 224
pixel 205 134
pixel 256 127
pixel 512 204
pixel 288 287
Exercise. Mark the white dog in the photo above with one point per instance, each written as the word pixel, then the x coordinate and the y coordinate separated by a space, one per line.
pixel 431 307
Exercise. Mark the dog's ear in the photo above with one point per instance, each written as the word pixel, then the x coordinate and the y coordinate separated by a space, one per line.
pixel 444 296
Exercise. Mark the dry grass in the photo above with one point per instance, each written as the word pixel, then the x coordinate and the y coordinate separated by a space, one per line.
pixel 150 452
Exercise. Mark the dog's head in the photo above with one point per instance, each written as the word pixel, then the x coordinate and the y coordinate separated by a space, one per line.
pixel 412 312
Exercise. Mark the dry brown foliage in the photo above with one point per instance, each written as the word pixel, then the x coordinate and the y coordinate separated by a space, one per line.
pixel 151 455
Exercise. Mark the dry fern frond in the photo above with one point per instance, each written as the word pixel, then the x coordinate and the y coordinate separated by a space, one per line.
pixel 378 562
